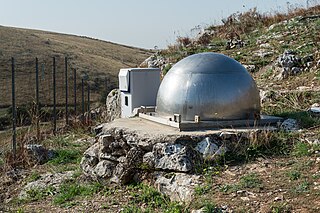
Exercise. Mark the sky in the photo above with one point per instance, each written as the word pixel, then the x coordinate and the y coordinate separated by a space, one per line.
pixel 139 23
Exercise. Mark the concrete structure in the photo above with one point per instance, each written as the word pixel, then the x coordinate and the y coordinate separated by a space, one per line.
pixel 139 87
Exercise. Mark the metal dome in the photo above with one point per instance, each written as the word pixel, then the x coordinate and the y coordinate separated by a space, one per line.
pixel 210 85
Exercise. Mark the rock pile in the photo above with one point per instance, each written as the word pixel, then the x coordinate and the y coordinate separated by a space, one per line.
pixel 290 64
pixel 234 43
pixel 122 155
pixel 155 61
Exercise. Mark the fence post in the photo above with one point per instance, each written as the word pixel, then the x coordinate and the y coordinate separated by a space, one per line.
pixel 82 98
pixel 66 79
pixel 54 96
pixel 75 91
pixel 37 100
pixel 89 116
pixel 14 113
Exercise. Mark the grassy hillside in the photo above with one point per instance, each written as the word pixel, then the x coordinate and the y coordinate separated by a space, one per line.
pixel 100 59
pixel 276 172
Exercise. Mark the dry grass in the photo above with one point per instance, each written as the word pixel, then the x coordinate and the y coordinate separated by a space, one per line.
pixel 101 60
pixel 238 24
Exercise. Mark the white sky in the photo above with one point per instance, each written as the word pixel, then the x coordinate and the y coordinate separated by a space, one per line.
pixel 140 23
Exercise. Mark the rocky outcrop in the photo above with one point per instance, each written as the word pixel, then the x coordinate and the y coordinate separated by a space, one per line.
pixel 290 64
pixel 234 43
pixel 113 104
pixel 46 180
pixel 155 61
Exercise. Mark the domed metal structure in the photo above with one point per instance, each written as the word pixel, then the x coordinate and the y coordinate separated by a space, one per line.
pixel 210 85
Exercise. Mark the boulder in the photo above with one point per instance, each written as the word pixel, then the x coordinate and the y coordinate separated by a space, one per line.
pixel 175 157
pixel 38 153
pixel 289 125
pixel 113 104
pixel 177 186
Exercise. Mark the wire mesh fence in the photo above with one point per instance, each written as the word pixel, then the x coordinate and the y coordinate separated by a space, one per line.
pixel 35 91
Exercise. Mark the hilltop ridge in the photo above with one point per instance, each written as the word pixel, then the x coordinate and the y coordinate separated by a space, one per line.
pixel 100 59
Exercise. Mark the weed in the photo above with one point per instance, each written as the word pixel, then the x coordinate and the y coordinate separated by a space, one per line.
pixel 166 69
pixel 201 190
pixel 300 149
pixel 152 199
pixel 302 188
pixel 229 188
pixel 39 194
pixel 20 210
pixel 294 175
pixel 210 208
pixel 250 181
pixel 281 207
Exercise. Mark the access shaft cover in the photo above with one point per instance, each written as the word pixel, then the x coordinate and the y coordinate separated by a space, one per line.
pixel 210 85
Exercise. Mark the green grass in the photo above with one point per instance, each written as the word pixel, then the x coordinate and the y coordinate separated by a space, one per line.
pixel 39 194
pixel 210 208
pixel 300 149
pixel 66 156
pixel 304 119
pixel 281 207
pixel 294 175
pixel 303 187
pixel 34 176
pixel 152 199
pixel 250 181
pixel 226 188
pixel 69 191
pixel 201 190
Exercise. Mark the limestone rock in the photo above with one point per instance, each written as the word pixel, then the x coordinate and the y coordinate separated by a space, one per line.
pixel 155 61
pixel 206 147
pixel 104 169
pixel 262 53
pixel 289 125
pixel 148 159
pixel 90 159
pixel 125 171
pixel 175 157
pixel 315 111
pixel 113 104
pixel 250 67
pixel 46 180
pixel 234 43
pixel 38 153
pixel 290 64
pixel 179 187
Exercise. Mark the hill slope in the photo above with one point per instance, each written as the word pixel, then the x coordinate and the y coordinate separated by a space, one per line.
pixel 100 59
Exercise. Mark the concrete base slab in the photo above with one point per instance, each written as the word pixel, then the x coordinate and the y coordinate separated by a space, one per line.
pixel 265 120
pixel 146 127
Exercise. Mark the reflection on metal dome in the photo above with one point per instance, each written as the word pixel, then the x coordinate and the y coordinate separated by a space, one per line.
pixel 210 85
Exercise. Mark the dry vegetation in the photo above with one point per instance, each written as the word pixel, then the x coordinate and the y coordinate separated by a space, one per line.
pixel 99 59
